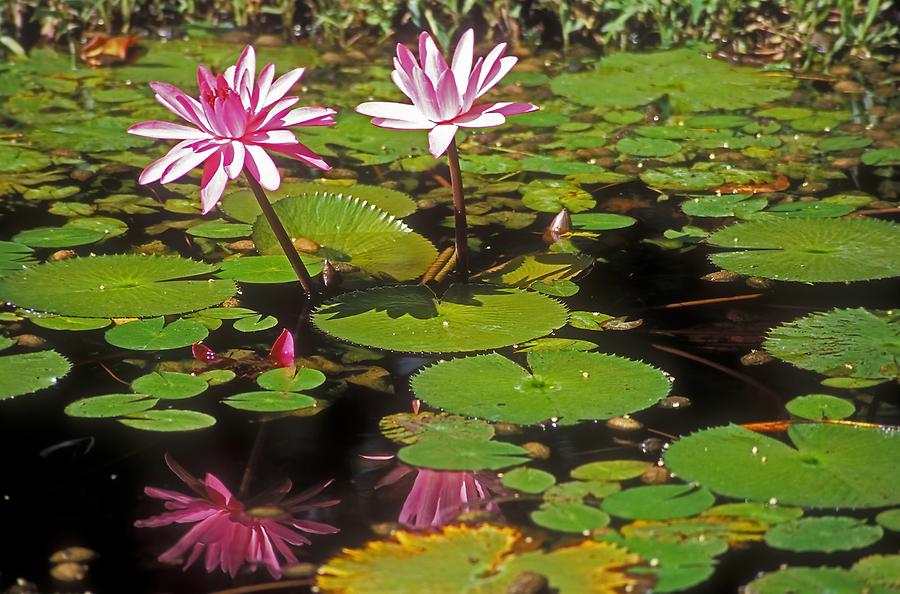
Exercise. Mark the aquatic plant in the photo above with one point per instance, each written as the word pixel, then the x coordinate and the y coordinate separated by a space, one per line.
pixel 228 534
pixel 443 100
pixel 234 121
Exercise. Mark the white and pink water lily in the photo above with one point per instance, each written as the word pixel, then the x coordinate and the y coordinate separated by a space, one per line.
pixel 443 97
pixel 234 121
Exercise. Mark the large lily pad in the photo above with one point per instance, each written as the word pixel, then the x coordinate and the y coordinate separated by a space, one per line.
pixel 563 386
pixel 826 534
pixel 351 231
pixel 876 574
pixel 466 318
pixel 116 286
pixel 30 372
pixel 831 465
pixel 842 342
pixel 691 81
pixel 807 250
pixel 484 559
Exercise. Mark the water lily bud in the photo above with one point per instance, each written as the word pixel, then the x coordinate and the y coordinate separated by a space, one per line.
pixel 203 353
pixel 282 353
pixel 331 278
pixel 559 226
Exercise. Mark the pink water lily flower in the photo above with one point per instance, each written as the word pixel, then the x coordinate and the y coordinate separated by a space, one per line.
pixel 233 122
pixel 230 534
pixel 443 97
pixel 282 353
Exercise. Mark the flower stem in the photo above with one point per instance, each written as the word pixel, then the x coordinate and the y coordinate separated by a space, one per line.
pixel 281 235
pixel 459 207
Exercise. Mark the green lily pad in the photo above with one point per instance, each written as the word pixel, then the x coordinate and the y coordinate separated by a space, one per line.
pixel 408 428
pixel 242 205
pixel 658 502
pixel 256 323
pixel 876 574
pixel 889 519
pixel 14 159
pixel 647 147
pixel 528 480
pixel 681 179
pixel 553 199
pixel 30 372
pixel 555 165
pixel 830 250
pixel 882 157
pixel 691 81
pixel 784 113
pixel 110 405
pixel 14 256
pixel 270 401
pixel 816 209
pixel 70 323
pixel 115 286
pixel 266 269
pixel 58 237
pixel 153 334
pixel 818 473
pixel 726 205
pixel 168 420
pixel 103 134
pixel 676 565
pixel 220 230
pixel 524 271
pixel 352 231
pixel 717 121
pixel 611 470
pixel 569 517
pixel 170 385
pixel 289 379
pixel 820 406
pixel 466 318
pixel 446 452
pixel 563 386
pixel 842 143
pixel 756 512
pixel 842 342
pixel 825 534
pixel 601 221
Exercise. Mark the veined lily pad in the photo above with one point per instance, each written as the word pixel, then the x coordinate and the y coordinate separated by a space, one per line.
pixel 563 386
pixel 409 428
pixel 528 480
pixel 658 502
pixel 154 334
pixel 352 231
pixel 266 269
pixel 168 420
pixel 115 286
pixel 242 206
pixel 58 237
pixel 110 405
pixel 647 147
pixel 829 250
pixel 14 256
pixel 826 534
pixel 466 318
pixel 170 385
pixel 692 82
pixel 833 466
pixel 30 372
pixel 842 342
pixel 523 271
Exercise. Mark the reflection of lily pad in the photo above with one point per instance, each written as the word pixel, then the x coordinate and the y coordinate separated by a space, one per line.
pixel 564 386
pixel 351 231
pixel 842 342
pixel 828 250
pixel 831 466
pixel 115 286
pixel 466 318
pixel 691 81
pixel 30 372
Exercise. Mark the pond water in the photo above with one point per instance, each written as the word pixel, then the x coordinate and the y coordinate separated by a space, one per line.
pixel 733 248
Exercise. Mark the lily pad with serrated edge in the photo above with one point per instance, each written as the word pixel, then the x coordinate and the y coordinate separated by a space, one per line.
pixel 658 502
pixel 841 342
pixel 351 231
pixel 115 286
pixel 170 385
pixel 831 465
pixel 266 269
pixel 153 334
pixel 825 534
pixel 830 250
pixel 170 420
pixel 242 205
pixel 110 405
pixel 565 386
pixel 30 372
pixel 468 317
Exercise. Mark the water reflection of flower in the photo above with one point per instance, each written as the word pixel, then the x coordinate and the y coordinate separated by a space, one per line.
pixel 437 497
pixel 229 533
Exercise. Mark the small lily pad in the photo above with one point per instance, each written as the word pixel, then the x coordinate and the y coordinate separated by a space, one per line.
pixel 825 534
pixel 569 517
pixel 647 147
pixel 110 405
pixel 266 269
pixel 30 372
pixel 289 379
pixel 820 406
pixel 528 480
pixel 58 237
pixel 270 401
pixel 170 385
pixel 611 470
pixel 168 420
pixel 658 502
pixel 220 230
pixel 70 323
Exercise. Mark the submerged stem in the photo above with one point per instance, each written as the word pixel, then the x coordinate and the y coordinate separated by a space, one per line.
pixel 281 235
pixel 459 208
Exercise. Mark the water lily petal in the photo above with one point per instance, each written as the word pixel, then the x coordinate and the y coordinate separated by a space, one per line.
pixel 281 86
pixel 300 152
pixel 480 120
pixel 212 184
pixel 234 159
pixel 501 68
pixel 403 124
pixel 462 58
pixel 509 109
pixel 440 138
pixel 425 97
pixel 433 63
pixel 448 96
pixel 186 162
pixel 390 110
pixel 309 116
pixel 166 130
pixel 262 168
